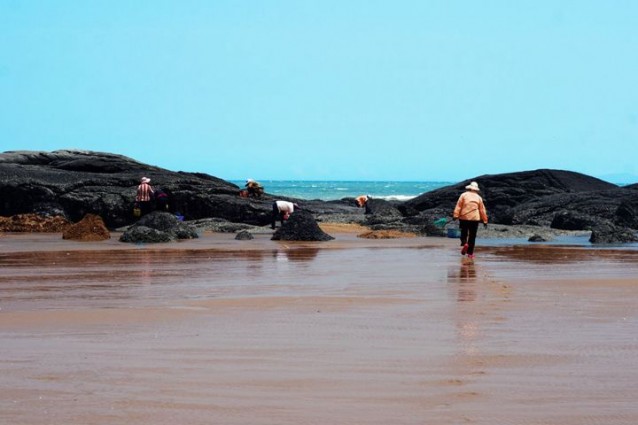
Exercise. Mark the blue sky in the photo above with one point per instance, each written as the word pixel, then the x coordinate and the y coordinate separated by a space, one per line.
pixel 326 90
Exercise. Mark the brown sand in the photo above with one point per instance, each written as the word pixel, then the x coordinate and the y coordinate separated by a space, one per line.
pixel 386 234
pixel 351 331
pixel 343 228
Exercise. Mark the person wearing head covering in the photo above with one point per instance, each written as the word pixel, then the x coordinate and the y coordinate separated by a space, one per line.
pixel 470 211
pixel 144 196
pixel 161 199
pixel 361 200
pixel 281 210
pixel 254 189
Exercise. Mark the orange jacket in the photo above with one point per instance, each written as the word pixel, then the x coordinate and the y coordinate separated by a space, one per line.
pixel 361 200
pixel 470 207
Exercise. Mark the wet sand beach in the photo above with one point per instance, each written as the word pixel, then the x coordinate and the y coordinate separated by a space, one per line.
pixel 350 331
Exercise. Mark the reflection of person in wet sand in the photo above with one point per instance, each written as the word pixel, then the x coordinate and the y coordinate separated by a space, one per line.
pixel 145 261
pixel 302 254
pixel 467 282
pixel 477 305
pixel 298 255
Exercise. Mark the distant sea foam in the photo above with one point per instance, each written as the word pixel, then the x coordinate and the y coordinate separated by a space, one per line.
pixel 327 190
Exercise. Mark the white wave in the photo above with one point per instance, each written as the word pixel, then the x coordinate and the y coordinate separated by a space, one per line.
pixel 396 197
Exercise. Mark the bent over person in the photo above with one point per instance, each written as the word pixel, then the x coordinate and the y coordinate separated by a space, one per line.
pixel 281 210
pixel 470 211
pixel 254 188
pixel 144 196
pixel 361 200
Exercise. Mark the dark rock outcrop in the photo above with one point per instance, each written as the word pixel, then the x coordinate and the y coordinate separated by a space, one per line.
pixel 90 228
pixel 301 226
pixel 609 233
pixel 502 192
pixel 425 223
pixel 244 235
pixel 538 198
pixel 380 211
pixel 570 220
pixel 220 225
pixel 158 227
pixel 143 234
pixel 627 213
pixel 536 238
pixel 73 183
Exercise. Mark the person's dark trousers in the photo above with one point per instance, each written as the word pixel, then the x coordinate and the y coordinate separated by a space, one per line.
pixel 468 234
pixel 276 214
pixel 161 205
pixel 146 207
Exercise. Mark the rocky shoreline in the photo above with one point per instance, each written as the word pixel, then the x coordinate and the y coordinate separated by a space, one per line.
pixel 546 203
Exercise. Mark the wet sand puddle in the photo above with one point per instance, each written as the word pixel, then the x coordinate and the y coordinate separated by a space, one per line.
pixel 301 335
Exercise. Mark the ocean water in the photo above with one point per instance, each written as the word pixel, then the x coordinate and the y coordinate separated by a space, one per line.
pixel 332 190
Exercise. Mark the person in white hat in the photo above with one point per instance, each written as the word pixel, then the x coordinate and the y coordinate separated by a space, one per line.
pixel 281 210
pixel 254 188
pixel 470 211
pixel 144 196
pixel 361 200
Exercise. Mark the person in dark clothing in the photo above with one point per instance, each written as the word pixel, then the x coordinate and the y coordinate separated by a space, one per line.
pixel 161 200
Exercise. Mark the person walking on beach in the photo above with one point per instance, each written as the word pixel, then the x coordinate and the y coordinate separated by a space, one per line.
pixel 470 211
pixel 144 196
pixel 281 210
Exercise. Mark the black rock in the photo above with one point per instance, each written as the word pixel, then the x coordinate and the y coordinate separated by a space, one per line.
pixel 219 225
pixel 428 222
pixel 609 233
pixel 503 191
pixel 244 235
pixel 570 220
pixel 301 226
pixel 381 207
pixel 627 213
pixel 158 227
pixel 536 238
pixel 143 234
pixel 73 183
pixel 380 211
pixel 536 197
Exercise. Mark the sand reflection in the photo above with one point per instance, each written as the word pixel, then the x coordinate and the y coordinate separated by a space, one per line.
pixel 302 254
pixel 463 279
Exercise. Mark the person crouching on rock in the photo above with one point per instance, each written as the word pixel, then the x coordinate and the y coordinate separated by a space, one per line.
pixel 470 211
pixel 254 188
pixel 144 196
pixel 161 200
pixel 361 200
pixel 281 210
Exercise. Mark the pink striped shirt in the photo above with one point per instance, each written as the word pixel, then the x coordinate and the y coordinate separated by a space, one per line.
pixel 144 192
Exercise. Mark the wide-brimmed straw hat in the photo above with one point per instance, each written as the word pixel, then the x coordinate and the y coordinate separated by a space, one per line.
pixel 473 186
pixel 146 180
